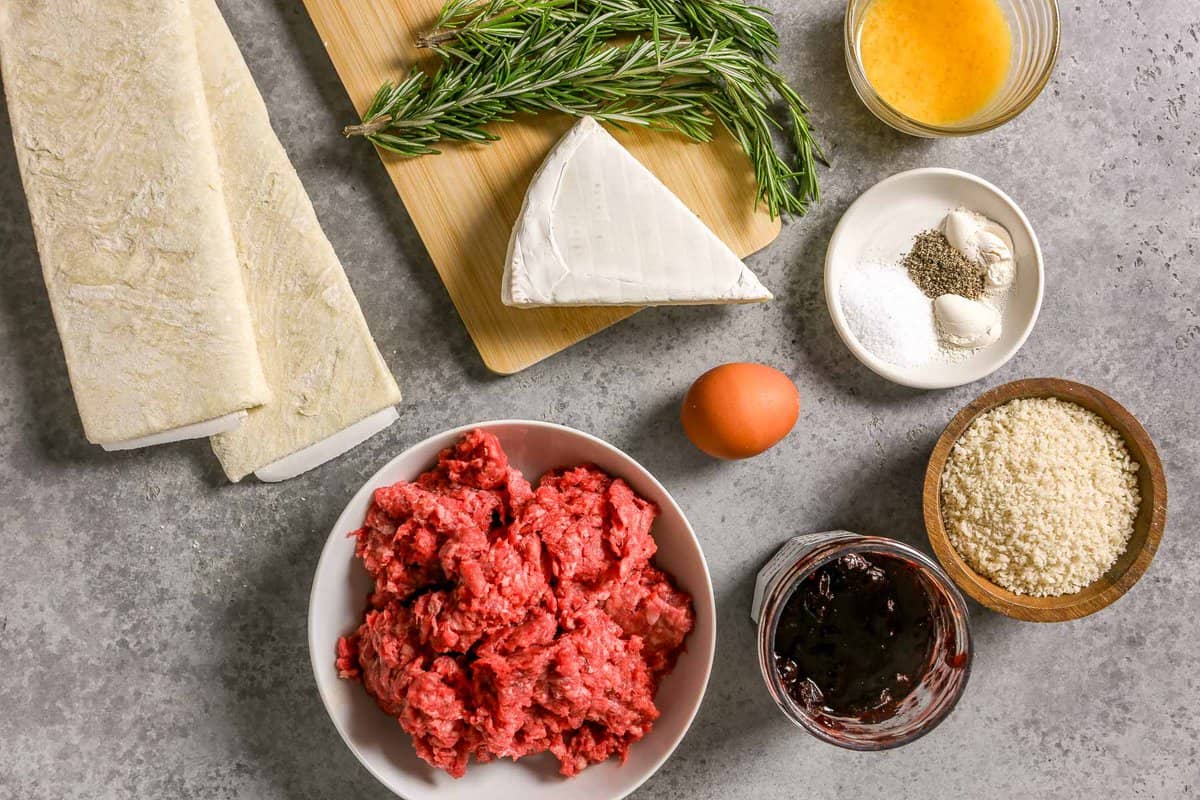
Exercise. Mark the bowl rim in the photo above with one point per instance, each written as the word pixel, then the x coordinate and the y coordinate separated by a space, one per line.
pixel 914 127
pixel 912 376
pixel 1063 607
pixel 704 601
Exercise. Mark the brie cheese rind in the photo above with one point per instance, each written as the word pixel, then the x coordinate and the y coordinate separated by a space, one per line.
pixel 332 388
pixel 116 154
pixel 599 229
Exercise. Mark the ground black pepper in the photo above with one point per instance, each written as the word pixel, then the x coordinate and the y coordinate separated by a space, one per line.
pixel 937 268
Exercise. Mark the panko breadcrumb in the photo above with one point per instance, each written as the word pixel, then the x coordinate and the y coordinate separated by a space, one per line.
pixel 1039 496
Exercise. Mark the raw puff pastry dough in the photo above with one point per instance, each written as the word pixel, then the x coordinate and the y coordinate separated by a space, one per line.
pixel 123 187
pixel 320 360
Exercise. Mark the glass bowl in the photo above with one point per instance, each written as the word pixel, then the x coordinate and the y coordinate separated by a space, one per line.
pixel 1035 39
pixel 940 687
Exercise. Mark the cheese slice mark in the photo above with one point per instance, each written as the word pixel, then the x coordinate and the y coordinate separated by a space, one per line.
pixel 599 229
pixel 117 158
pixel 320 360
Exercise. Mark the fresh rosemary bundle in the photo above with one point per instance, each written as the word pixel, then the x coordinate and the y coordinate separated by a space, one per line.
pixel 688 64
pixel 479 24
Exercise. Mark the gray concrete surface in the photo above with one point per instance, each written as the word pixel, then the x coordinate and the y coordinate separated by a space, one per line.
pixel 152 618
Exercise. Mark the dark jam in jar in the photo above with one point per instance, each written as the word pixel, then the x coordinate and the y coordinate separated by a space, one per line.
pixel 855 637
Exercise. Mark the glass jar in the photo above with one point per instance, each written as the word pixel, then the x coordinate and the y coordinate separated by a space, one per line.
pixel 1035 40
pixel 939 688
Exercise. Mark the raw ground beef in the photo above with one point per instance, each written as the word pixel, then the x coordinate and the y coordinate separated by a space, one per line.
pixel 508 620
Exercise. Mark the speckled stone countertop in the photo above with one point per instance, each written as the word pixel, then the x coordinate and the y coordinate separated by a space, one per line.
pixel 152 617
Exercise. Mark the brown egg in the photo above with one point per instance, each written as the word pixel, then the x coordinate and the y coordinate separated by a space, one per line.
pixel 740 410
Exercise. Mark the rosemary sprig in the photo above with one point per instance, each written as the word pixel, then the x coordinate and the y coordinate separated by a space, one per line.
pixel 466 27
pixel 749 26
pixel 505 57
pixel 550 68
pixel 482 23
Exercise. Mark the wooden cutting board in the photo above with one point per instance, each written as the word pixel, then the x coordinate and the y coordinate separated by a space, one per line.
pixel 464 201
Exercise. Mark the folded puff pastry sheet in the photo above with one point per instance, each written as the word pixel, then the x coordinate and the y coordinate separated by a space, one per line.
pixel 320 360
pixel 117 156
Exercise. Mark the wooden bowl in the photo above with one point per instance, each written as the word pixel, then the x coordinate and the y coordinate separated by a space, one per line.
pixel 1148 527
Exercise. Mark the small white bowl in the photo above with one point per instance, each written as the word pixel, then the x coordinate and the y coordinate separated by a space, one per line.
pixel 879 227
pixel 341 585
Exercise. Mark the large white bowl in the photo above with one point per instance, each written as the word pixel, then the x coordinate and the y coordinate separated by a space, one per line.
pixel 341 585
pixel 880 225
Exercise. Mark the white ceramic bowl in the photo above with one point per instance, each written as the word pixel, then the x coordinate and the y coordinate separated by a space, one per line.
pixel 879 226
pixel 338 600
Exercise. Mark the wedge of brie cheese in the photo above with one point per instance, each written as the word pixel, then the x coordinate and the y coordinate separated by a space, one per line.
pixel 599 229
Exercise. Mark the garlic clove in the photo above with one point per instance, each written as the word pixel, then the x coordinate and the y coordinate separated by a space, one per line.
pixel 965 323
pixel 960 228
pixel 1000 274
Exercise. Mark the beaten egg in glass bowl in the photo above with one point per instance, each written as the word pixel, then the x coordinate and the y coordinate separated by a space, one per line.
pixel 937 68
